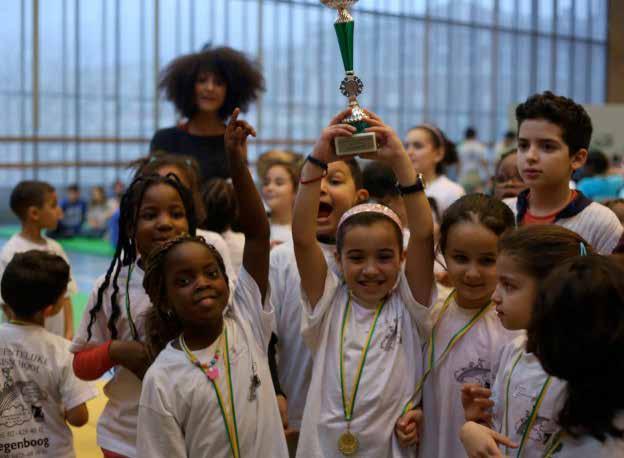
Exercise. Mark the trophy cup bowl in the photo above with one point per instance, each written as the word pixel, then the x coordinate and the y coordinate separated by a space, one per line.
pixel 351 86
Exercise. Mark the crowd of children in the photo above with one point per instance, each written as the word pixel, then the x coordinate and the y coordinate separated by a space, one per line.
pixel 380 313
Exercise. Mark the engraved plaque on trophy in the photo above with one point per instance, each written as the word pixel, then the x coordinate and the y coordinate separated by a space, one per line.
pixel 351 86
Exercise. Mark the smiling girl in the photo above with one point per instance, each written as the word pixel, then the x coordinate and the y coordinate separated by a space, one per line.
pixel 466 335
pixel 427 147
pixel 153 209
pixel 364 329
pixel 205 87
pixel 279 186
pixel 209 392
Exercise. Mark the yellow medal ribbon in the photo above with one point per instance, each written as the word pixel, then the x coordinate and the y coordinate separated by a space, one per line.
pixel 555 444
pixel 349 404
pixel 454 339
pixel 534 410
pixel 21 323
pixel 231 426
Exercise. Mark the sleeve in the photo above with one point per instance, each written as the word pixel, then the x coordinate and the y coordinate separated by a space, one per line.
pixel 72 287
pixel 222 247
pixel 313 320
pixel 91 364
pixel 420 314
pixel 99 330
pixel 247 303
pixel 158 432
pixel 278 266
pixel 73 390
pixel 609 236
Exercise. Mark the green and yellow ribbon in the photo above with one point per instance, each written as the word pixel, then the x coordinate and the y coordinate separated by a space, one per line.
pixel 348 405
pixel 431 363
pixel 534 410
pixel 230 422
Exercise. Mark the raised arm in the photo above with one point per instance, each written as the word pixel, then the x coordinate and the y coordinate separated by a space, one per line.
pixel 419 255
pixel 310 260
pixel 252 217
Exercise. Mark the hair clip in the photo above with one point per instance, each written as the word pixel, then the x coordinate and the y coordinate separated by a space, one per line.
pixel 583 249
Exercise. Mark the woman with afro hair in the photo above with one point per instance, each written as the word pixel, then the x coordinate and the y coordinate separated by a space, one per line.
pixel 205 88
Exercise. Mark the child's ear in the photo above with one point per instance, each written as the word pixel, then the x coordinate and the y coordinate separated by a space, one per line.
pixel 33 213
pixel 403 255
pixel 578 159
pixel 361 196
pixel 48 311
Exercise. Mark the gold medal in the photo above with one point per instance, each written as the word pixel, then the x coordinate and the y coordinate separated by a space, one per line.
pixel 348 444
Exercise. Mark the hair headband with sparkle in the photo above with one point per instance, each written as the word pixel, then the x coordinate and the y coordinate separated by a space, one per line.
pixel 371 208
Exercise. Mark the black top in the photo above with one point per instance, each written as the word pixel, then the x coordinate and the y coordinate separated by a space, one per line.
pixel 208 151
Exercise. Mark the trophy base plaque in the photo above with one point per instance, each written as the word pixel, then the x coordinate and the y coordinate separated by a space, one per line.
pixel 357 144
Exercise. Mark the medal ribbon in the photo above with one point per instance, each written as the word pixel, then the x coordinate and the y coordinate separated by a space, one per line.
pixel 348 405
pixel 21 323
pixel 133 330
pixel 534 409
pixel 231 426
pixel 451 343
pixel 555 442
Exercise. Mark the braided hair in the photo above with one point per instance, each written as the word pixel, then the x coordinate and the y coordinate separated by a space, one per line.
pixel 161 322
pixel 126 249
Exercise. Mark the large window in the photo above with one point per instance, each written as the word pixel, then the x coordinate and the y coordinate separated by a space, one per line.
pixel 77 78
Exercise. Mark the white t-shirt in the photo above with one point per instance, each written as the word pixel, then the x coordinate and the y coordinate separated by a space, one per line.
pixel 444 191
pixel 236 244
pixel 179 414
pixel 18 244
pixel 294 364
pixel 116 429
pixel 590 447
pixel 393 367
pixel 470 361
pixel 472 154
pixel 216 240
pixel 281 233
pixel 595 223
pixel 524 387
pixel 38 386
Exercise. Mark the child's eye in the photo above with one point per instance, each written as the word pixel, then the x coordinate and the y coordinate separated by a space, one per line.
pixel 148 215
pixel 178 214
pixel 213 274
pixel 460 258
pixel 183 281
pixel 355 258
pixel 488 261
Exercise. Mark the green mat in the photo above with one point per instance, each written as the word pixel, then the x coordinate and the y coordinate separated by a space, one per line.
pixel 79 304
pixel 85 245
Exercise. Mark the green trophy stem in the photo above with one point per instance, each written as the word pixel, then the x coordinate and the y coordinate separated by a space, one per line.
pixel 344 31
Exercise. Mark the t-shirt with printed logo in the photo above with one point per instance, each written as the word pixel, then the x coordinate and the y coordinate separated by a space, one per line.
pixel 37 387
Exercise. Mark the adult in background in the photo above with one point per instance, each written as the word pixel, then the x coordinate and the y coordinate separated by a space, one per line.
pixel 205 87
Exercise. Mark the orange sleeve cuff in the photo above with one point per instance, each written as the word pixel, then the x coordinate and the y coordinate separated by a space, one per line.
pixel 93 363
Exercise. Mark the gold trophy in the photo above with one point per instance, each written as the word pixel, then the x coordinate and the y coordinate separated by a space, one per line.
pixel 351 86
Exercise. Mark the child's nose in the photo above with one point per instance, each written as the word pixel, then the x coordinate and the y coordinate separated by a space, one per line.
pixel 496 296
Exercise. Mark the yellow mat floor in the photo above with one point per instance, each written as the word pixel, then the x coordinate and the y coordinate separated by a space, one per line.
pixel 84 438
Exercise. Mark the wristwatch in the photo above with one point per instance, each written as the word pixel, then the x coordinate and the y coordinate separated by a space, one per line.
pixel 419 186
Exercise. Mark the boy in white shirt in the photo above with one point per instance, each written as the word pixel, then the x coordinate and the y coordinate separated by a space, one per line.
pixel 40 395
pixel 36 205
pixel 553 137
